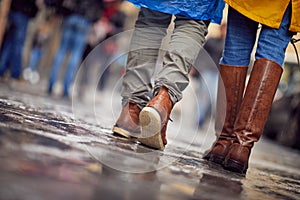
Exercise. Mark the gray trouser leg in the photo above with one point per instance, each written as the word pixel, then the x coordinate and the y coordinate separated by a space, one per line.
pixel 186 41
pixel 150 29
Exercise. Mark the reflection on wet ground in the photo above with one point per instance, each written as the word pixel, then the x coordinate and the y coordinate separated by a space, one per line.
pixel 48 154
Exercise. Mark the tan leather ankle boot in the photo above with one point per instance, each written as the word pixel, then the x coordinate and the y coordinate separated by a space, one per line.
pixel 154 119
pixel 128 124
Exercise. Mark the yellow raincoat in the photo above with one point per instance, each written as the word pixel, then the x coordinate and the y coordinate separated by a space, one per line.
pixel 268 12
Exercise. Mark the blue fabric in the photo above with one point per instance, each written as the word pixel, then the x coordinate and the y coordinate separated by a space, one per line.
pixel 11 55
pixel 199 10
pixel 36 54
pixel 74 33
pixel 241 36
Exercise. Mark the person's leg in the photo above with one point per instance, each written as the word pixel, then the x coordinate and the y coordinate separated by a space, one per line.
pixel 64 46
pixel 240 38
pixel 21 22
pixel 203 98
pixel 35 56
pixel 107 58
pixel 81 26
pixel 211 78
pixel 7 45
pixel 33 62
pixel 187 39
pixel 6 51
pixel 150 28
pixel 259 93
pixel 272 43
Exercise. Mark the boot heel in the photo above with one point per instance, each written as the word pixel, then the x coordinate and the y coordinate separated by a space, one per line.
pixel 151 128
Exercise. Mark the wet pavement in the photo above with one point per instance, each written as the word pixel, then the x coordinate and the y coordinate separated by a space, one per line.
pixel 53 149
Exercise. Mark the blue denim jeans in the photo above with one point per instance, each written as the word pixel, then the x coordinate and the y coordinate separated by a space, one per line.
pixel 11 54
pixel 207 94
pixel 74 33
pixel 241 36
pixel 35 56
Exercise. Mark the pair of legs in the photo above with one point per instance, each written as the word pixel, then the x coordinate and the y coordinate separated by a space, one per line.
pixel 74 33
pixel 241 119
pixel 182 50
pixel 150 29
pixel 11 54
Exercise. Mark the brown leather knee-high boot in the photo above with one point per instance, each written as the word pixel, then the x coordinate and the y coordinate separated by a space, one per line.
pixel 232 82
pixel 253 113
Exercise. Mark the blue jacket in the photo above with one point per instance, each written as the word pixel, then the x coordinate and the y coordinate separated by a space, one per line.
pixel 194 9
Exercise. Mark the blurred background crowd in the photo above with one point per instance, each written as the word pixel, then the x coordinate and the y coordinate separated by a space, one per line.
pixel 43 43
pixel 44 39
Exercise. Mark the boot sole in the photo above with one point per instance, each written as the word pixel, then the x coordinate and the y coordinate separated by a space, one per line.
pixel 150 122
pixel 216 159
pixel 235 166
pixel 122 132
pixel 206 157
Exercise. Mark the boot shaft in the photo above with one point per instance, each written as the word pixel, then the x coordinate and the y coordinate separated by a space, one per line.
pixel 229 97
pixel 253 113
pixel 230 93
pixel 258 98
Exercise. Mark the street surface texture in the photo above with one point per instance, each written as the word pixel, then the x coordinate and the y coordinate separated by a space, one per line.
pixel 53 149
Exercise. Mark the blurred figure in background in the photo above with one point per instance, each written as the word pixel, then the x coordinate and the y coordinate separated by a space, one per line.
pixel 78 16
pixel 209 73
pixel 111 23
pixel 40 39
pixel 21 12
pixel 115 20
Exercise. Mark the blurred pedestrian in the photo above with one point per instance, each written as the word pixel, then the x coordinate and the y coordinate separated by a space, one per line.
pixel 209 73
pixel 78 16
pixel 151 113
pixel 40 39
pixel 111 23
pixel 246 115
pixel 21 11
